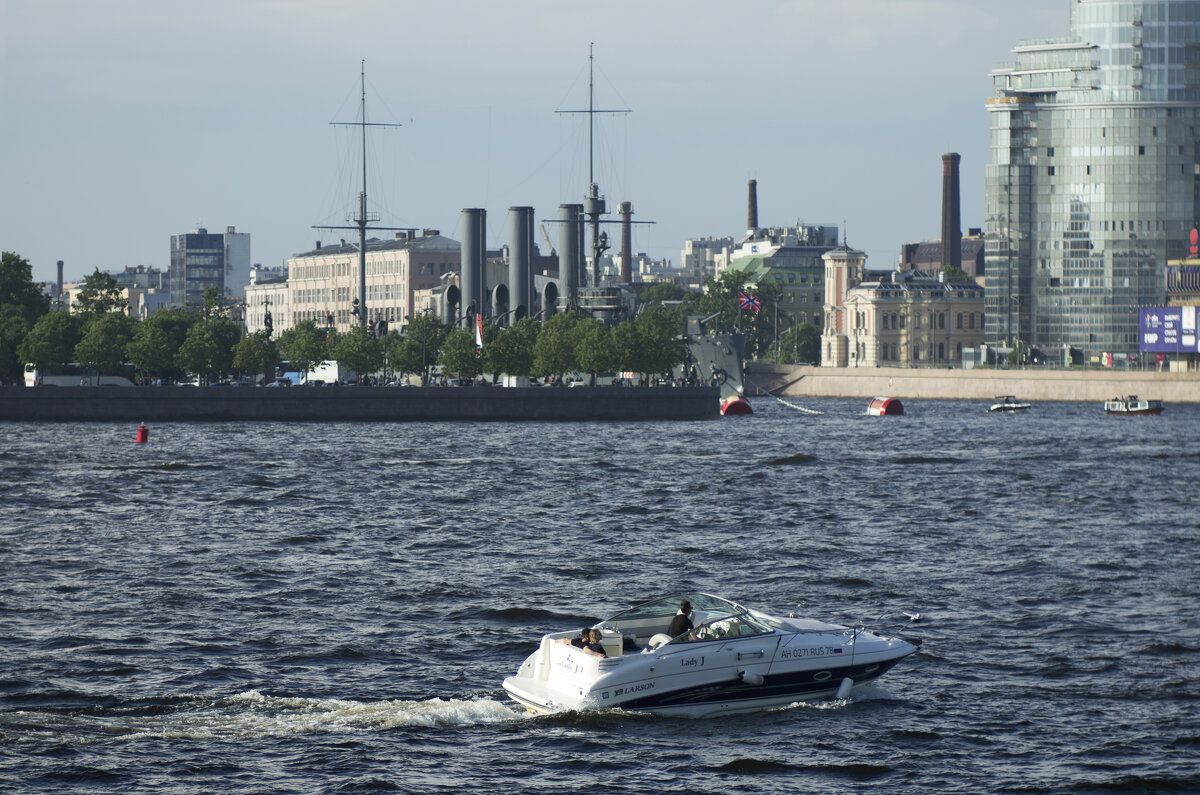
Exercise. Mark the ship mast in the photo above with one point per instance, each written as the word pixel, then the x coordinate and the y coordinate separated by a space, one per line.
pixel 593 203
pixel 362 218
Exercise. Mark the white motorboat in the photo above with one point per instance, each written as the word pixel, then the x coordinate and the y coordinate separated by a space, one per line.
pixel 1009 403
pixel 734 660
pixel 1133 406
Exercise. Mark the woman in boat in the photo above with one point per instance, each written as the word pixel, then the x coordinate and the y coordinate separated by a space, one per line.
pixel 581 640
pixel 593 647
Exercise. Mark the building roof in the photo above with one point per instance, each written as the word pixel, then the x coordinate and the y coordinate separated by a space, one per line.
pixel 432 241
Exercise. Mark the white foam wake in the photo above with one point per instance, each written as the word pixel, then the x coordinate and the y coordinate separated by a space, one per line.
pixel 252 714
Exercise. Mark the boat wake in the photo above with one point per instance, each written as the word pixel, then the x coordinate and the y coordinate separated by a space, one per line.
pixel 253 714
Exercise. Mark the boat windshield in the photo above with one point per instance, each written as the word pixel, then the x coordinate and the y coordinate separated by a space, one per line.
pixel 742 625
pixel 669 605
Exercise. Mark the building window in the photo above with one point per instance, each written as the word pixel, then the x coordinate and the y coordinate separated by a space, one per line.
pixel 960 320
pixel 1050 171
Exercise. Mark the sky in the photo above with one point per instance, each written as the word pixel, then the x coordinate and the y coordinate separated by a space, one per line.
pixel 124 123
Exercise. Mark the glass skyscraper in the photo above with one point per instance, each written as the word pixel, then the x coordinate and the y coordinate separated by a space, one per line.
pixel 1094 179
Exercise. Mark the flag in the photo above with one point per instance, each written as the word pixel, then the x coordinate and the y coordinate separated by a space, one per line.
pixel 747 301
pixel 479 333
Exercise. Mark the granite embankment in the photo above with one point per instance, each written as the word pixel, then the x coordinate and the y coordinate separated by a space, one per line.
pixel 979 384
pixel 382 404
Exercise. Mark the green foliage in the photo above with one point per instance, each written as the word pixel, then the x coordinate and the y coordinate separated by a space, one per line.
pixel 254 354
pixel 215 304
pixel 153 351
pixel 52 340
pixel 554 351
pixel 417 349
pixel 359 351
pixel 104 340
pixel 18 290
pixel 303 345
pixel 13 328
pixel 512 351
pixel 800 343
pixel 651 343
pixel 594 349
pixel 459 355
pixel 956 275
pixel 208 349
pixel 99 295
pixel 665 291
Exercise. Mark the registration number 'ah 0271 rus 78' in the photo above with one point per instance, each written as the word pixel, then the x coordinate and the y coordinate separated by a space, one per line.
pixel 810 651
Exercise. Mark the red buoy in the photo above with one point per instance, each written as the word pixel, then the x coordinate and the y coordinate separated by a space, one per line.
pixel 142 434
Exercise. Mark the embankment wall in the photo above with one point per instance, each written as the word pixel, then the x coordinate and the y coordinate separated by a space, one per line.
pixel 307 404
pixel 978 384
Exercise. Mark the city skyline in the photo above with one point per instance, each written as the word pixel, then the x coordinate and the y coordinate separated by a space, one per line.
pixel 154 123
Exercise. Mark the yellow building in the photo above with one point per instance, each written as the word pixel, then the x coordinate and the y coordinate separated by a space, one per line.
pixel 322 284
pixel 897 319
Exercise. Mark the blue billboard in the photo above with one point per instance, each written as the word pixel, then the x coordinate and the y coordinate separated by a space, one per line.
pixel 1168 329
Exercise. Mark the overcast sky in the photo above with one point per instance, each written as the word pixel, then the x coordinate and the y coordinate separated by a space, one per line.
pixel 123 123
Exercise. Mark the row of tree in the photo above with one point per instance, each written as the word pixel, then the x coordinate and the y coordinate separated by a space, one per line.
pixel 205 341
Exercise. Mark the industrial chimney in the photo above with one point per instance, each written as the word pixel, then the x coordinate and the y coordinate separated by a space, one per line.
pixel 626 243
pixel 951 225
pixel 58 287
pixel 752 208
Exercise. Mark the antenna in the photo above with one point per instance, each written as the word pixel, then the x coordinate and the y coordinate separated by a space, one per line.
pixel 363 219
pixel 593 204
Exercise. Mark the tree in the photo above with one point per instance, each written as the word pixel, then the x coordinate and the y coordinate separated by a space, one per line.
pixel 208 349
pixel 157 340
pixel 460 356
pixel 215 304
pixel 800 343
pixel 594 349
pixel 663 291
pixel 52 340
pixel 651 343
pixel 554 351
pixel 303 345
pixel 254 354
pixel 102 345
pixel 99 295
pixel 13 328
pixel 512 350
pixel 153 351
pixel 18 290
pixel 417 349
pixel 359 351
pixel 956 275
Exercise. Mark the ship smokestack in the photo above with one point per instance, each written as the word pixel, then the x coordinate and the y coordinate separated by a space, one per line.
pixel 474 255
pixel 626 243
pixel 752 208
pixel 951 224
pixel 570 252
pixel 520 259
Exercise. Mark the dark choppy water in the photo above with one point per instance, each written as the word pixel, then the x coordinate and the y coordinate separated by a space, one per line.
pixel 331 608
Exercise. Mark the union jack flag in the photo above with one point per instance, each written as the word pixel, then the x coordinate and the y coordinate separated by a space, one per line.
pixel 747 301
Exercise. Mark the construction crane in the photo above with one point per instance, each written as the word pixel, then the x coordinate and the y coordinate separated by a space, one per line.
pixel 549 245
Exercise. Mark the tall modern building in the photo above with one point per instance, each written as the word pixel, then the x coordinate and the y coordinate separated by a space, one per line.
pixel 201 259
pixel 1094 179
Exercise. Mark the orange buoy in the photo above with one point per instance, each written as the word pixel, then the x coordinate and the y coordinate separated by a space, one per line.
pixel 142 434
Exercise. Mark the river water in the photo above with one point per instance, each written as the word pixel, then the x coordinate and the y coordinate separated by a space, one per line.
pixel 328 608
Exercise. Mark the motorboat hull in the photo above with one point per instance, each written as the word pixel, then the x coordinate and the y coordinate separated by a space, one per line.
pixel 700 677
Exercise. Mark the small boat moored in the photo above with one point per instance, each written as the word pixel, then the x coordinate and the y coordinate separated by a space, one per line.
pixel 732 660
pixel 1009 403
pixel 1132 406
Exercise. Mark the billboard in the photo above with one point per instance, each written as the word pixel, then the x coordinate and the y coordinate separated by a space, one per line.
pixel 1168 329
